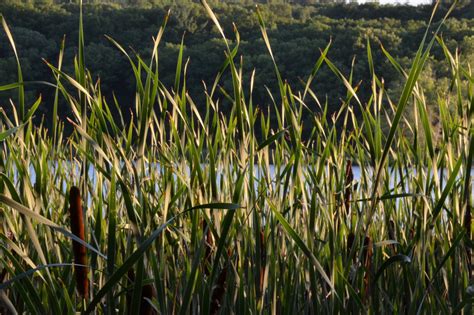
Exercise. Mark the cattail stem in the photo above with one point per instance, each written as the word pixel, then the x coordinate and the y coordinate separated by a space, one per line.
pixel 467 226
pixel 80 253
pixel 367 256
pixel 263 261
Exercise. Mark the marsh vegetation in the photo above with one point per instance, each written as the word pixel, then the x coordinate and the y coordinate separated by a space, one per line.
pixel 183 213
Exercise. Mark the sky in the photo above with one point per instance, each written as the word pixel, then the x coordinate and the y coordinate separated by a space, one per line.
pixel 412 2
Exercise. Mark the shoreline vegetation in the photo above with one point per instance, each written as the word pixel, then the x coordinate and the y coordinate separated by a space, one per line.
pixel 177 222
pixel 298 32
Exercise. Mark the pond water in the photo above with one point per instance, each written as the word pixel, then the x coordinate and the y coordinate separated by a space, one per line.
pixel 357 172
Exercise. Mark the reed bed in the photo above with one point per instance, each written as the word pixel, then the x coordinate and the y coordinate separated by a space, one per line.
pixel 186 211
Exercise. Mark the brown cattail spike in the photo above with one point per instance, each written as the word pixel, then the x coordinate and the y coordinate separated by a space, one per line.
pixel 148 292
pixel 218 292
pixel 80 253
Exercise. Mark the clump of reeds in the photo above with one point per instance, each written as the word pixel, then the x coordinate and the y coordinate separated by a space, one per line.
pixel 300 264
pixel 79 250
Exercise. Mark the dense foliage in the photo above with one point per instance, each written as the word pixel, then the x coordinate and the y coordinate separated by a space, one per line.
pixel 298 33
pixel 217 211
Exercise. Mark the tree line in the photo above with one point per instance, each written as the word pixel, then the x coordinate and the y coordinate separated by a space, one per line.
pixel 298 33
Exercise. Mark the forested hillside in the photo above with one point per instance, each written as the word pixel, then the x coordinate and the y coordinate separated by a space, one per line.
pixel 297 31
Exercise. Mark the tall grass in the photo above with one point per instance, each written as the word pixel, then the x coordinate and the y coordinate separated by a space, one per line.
pixel 190 211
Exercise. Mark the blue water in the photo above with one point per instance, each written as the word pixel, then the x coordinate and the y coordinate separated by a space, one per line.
pixel 393 187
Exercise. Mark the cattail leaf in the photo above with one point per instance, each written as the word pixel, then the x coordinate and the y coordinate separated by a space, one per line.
pixel 386 243
pixel 392 60
pixel 13 247
pixel 26 288
pixel 30 272
pixel 33 108
pixel 271 139
pixel 216 206
pixel 21 89
pixel 193 276
pixel 447 189
pixel 299 242
pixel 451 251
pixel 269 48
pixel 316 68
pixel 81 88
pixel 10 86
pixel 91 141
pixel 427 128
pixel 137 254
pixel 126 265
pixel 214 19
pixel 177 78
pixel 348 85
pixel 417 66
pixel 39 218
pixel 397 258
pixel 9 132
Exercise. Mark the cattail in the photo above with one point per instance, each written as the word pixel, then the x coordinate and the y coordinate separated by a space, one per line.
pixel 218 292
pixel 3 274
pixel 348 185
pixel 148 292
pixel 80 253
pixel 367 257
